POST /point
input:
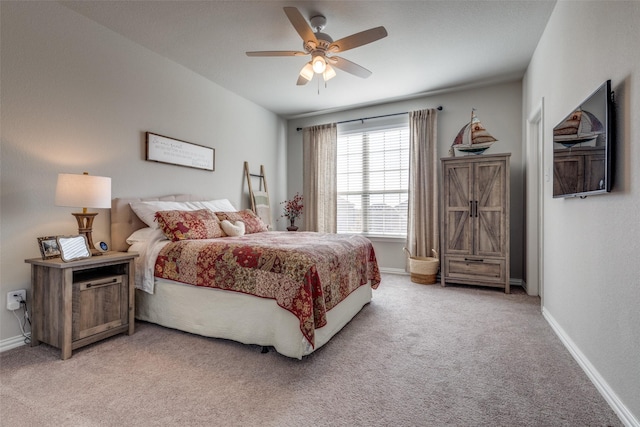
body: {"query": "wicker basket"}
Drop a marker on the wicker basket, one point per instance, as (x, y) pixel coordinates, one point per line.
(423, 269)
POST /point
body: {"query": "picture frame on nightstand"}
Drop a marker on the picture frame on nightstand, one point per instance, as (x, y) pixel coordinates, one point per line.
(49, 247)
(73, 248)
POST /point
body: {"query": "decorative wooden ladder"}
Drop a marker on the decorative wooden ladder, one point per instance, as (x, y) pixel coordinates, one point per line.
(260, 201)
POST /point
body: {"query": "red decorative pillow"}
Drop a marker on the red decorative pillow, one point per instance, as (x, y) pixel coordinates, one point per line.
(189, 225)
(252, 222)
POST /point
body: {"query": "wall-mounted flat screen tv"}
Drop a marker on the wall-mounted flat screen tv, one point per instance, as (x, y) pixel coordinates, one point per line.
(583, 147)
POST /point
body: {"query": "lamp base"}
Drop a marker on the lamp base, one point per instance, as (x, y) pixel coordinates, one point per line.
(85, 226)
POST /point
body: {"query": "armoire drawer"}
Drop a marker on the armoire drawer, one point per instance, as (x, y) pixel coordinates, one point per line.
(475, 268)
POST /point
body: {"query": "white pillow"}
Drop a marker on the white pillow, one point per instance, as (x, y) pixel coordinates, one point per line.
(233, 230)
(137, 247)
(146, 211)
(144, 235)
(220, 205)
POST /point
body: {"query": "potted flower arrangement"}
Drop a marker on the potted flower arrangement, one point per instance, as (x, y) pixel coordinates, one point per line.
(292, 210)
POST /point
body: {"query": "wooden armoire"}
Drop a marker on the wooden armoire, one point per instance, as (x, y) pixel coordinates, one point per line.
(475, 220)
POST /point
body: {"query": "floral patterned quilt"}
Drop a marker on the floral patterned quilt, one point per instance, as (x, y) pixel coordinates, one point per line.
(306, 273)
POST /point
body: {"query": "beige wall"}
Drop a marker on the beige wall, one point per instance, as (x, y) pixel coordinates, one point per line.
(591, 262)
(77, 97)
(499, 107)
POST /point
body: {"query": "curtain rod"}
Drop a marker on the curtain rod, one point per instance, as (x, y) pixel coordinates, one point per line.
(439, 108)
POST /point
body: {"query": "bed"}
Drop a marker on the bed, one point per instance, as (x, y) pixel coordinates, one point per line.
(290, 291)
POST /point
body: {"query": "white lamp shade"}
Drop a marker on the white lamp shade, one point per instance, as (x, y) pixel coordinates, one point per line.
(329, 73)
(307, 71)
(83, 191)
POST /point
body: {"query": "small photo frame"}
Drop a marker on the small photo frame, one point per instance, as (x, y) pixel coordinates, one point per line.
(49, 247)
(73, 248)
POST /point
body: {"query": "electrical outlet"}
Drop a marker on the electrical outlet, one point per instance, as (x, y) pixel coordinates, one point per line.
(14, 298)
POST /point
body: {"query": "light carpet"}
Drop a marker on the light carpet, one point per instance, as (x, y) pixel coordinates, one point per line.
(415, 356)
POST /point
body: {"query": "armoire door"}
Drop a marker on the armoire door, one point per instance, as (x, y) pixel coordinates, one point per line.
(458, 208)
(488, 210)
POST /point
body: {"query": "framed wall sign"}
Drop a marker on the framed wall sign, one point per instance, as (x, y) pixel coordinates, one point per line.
(163, 149)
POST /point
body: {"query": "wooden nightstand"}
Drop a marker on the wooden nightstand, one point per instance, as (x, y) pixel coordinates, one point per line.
(77, 303)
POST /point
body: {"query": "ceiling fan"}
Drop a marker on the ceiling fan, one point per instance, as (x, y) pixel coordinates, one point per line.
(322, 48)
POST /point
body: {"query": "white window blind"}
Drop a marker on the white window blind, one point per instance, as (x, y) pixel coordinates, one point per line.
(373, 177)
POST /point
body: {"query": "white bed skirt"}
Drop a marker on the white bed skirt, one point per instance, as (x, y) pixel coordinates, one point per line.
(244, 318)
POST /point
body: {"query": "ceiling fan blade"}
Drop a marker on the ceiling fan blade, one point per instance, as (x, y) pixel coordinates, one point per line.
(277, 53)
(358, 39)
(300, 24)
(349, 67)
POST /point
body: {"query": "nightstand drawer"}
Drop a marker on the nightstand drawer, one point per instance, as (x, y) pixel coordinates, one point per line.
(99, 305)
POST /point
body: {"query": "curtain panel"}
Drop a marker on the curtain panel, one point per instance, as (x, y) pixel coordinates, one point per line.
(423, 228)
(319, 183)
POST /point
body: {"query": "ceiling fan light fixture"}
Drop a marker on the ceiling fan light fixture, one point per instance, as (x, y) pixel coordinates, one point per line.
(321, 47)
(329, 73)
(307, 71)
(319, 64)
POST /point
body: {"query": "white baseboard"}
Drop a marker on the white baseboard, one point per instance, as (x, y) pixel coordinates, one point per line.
(609, 395)
(14, 342)
(400, 271)
(517, 282)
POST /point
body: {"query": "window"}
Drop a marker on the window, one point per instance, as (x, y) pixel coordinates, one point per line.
(373, 177)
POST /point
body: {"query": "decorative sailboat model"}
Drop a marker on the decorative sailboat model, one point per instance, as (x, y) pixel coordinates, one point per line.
(473, 137)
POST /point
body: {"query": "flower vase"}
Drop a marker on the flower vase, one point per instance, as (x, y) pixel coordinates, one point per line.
(293, 226)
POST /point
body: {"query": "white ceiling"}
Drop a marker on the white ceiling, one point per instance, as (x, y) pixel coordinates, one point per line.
(431, 46)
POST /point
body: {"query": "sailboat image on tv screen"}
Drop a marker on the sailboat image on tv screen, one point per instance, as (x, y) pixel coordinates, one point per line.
(473, 137)
(580, 127)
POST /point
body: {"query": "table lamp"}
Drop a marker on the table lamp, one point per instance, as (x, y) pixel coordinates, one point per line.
(84, 191)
